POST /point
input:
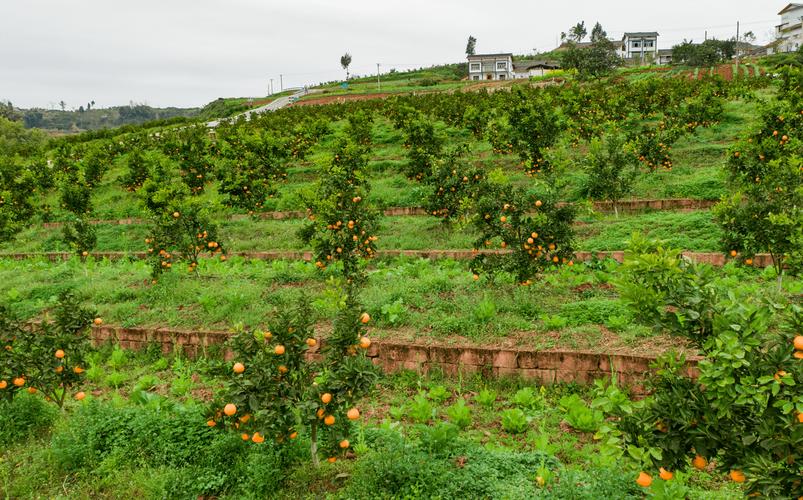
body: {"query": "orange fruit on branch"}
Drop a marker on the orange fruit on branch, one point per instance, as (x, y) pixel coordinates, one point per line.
(737, 476)
(344, 444)
(353, 414)
(644, 480)
(279, 349)
(229, 409)
(312, 342)
(329, 420)
(665, 474)
(326, 398)
(60, 354)
(365, 342)
(19, 381)
(365, 318)
(80, 396)
(699, 462)
(798, 342)
(238, 368)
(98, 321)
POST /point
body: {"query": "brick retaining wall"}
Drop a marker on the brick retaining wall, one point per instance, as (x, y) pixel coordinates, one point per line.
(544, 367)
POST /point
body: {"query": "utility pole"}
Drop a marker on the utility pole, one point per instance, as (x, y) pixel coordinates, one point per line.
(271, 86)
(281, 82)
(378, 83)
(737, 46)
(706, 35)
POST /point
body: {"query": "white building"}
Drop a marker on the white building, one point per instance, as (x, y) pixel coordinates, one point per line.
(790, 32)
(641, 46)
(526, 69)
(490, 67)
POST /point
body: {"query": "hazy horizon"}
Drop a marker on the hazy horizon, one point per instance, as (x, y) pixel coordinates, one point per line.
(188, 53)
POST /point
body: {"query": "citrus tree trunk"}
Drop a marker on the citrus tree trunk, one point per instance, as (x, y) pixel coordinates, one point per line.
(313, 446)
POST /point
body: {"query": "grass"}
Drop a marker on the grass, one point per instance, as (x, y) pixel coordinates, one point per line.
(120, 443)
(411, 300)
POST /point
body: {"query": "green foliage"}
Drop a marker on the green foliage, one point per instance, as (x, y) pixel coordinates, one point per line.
(667, 291)
(707, 53)
(420, 410)
(515, 421)
(610, 166)
(459, 413)
(439, 394)
(595, 61)
(534, 126)
(486, 398)
(579, 415)
(526, 399)
(24, 417)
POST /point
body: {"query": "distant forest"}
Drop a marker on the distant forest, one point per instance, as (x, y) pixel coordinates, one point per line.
(90, 118)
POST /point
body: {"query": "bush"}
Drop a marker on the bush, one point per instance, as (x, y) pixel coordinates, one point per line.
(23, 417)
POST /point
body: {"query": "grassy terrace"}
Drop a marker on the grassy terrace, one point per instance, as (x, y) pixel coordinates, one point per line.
(423, 301)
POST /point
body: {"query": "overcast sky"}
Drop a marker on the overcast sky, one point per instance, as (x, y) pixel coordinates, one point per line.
(189, 52)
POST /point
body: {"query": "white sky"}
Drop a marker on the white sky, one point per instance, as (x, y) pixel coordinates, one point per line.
(189, 52)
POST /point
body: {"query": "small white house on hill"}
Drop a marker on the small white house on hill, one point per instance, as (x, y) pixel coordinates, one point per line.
(641, 46)
(789, 33)
(490, 67)
(526, 69)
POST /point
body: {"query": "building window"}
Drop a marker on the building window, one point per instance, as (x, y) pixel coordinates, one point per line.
(476, 77)
(502, 77)
(636, 45)
(501, 66)
(648, 43)
(474, 67)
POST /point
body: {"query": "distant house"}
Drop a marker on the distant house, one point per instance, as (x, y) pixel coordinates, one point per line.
(490, 67)
(640, 46)
(789, 34)
(526, 69)
(664, 57)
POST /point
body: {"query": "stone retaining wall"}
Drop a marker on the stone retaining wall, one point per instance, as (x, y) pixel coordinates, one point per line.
(544, 367)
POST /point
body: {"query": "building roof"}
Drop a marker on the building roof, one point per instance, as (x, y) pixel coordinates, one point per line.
(791, 6)
(525, 65)
(503, 54)
(664, 52)
(636, 34)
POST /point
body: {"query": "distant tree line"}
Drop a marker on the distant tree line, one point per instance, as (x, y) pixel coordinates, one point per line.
(708, 53)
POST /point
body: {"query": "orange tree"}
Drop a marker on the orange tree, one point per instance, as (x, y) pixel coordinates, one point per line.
(534, 124)
(76, 198)
(181, 229)
(189, 147)
(745, 410)
(531, 229)
(253, 162)
(455, 186)
(611, 168)
(766, 212)
(52, 357)
(12, 373)
(424, 146)
(275, 390)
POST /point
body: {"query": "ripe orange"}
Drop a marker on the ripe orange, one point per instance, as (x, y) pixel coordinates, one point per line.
(279, 349)
(644, 480)
(353, 414)
(798, 342)
(365, 318)
(312, 342)
(258, 438)
(80, 396)
(59, 369)
(331, 460)
(282, 369)
(799, 415)
(476, 277)
(329, 420)
(31, 390)
(699, 462)
(239, 368)
(245, 436)
(78, 370)
(665, 474)
(19, 381)
(319, 413)
(326, 398)
(245, 418)
(798, 355)
(3, 384)
(538, 203)
(211, 423)
(267, 335)
(737, 476)
(733, 253)
(748, 262)
(503, 219)
(344, 444)
(229, 409)
(779, 375)
(293, 435)
(59, 354)
(98, 321)
(176, 215)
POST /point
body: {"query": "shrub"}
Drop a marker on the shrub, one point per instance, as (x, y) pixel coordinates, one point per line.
(459, 414)
(24, 416)
(515, 421)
